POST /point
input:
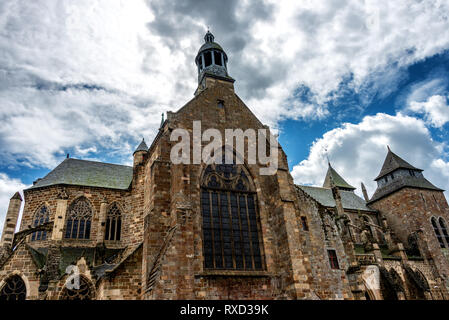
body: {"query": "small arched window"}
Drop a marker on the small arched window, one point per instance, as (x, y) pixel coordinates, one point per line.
(231, 234)
(40, 217)
(113, 223)
(444, 229)
(79, 220)
(437, 232)
(14, 289)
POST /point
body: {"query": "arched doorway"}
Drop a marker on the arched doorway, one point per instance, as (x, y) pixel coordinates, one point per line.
(14, 289)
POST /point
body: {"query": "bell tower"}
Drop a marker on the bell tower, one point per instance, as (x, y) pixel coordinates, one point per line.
(211, 62)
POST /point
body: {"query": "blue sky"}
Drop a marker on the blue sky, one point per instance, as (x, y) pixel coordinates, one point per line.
(337, 78)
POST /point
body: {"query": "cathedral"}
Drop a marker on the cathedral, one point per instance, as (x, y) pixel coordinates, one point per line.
(160, 230)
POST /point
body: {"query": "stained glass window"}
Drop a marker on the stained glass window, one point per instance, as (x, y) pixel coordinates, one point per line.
(41, 216)
(13, 290)
(231, 234)
(79, 220)
(113, 223)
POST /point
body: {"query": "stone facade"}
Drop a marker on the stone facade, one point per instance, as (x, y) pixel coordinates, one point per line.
(314, 244)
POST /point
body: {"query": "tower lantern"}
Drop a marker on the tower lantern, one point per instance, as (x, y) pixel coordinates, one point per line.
(211, 60)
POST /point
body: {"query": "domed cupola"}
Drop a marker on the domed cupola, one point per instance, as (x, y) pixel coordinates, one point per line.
(211, 60)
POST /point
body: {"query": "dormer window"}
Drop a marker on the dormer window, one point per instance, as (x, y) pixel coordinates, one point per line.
(412, 173)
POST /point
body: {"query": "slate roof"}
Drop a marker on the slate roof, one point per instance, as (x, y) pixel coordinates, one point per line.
(338, 180)
(88, 173)
(324, 196)
(141, 147)
(393, 162)
(402, 182)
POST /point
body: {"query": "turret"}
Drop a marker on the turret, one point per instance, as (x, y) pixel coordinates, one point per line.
(140, 152)
(11, 219)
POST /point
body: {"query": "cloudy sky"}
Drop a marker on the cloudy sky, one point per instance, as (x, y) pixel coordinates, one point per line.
(92, 77)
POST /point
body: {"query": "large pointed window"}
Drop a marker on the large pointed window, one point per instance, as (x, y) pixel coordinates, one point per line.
(40, 217)
(444, 229)
(13, 290)
(79, 220)
(231, 234)
(437, 232)
(113, 223)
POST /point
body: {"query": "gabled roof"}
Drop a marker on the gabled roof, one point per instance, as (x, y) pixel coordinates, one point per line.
(141, 147)
(393, 162)
(324, 197)
(337, 179)
(88, 173)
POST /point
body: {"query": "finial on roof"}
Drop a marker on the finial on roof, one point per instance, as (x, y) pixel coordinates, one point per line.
(327, 157)
(209, 37)
(68, 155)
(162, 120)
(388, 147)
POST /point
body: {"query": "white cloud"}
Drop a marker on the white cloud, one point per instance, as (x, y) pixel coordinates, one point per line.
(435, 110)
(357, 151)
(8, 187)
(99, 73)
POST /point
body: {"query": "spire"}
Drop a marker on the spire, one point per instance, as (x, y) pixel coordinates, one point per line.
(332, 177)
(141, 147)
(365, 194)
(393, 162)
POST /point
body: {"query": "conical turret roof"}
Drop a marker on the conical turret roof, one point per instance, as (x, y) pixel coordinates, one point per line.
(141, 147)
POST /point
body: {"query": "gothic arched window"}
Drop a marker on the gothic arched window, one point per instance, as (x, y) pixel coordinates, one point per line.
(437, 232)
(13, 290)
(84, 292)
(113, 223)
(40, 217)
(444, 229)
(231, 235)
(79, 219)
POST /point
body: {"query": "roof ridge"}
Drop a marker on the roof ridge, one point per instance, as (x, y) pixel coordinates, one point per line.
(93, 161)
